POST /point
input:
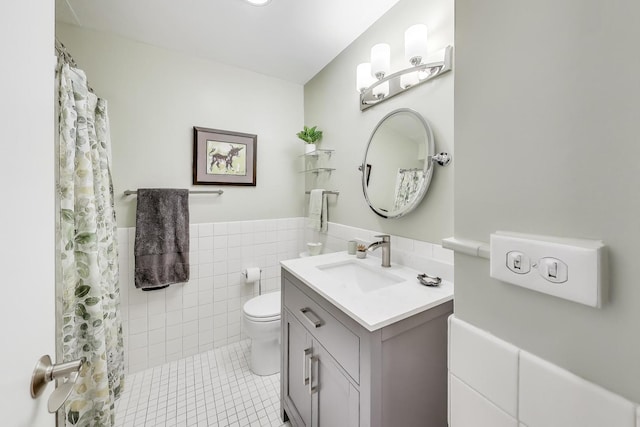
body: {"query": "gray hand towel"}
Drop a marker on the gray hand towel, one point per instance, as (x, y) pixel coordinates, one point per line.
(162, 238)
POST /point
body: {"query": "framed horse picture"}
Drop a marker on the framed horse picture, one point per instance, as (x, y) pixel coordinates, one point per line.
(222, 157)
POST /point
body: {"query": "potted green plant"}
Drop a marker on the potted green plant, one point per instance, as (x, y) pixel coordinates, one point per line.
(362, 251)
(310, 136)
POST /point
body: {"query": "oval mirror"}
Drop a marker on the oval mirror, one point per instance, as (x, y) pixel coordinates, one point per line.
(397, 166)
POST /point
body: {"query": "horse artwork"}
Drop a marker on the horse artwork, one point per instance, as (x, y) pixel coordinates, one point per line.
(225, 158)
(222, 157)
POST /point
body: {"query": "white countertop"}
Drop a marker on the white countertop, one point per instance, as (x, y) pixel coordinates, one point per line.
(376, 308)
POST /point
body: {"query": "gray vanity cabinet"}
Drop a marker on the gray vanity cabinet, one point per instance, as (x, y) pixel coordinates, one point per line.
(336, 373)
(298, 354)
(318, 391)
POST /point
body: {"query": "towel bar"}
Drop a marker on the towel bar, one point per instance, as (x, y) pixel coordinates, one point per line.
(325, 192)
(134, 192)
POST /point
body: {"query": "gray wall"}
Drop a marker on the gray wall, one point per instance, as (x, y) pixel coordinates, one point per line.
(332, 103)
(547, 101)
(156, 96)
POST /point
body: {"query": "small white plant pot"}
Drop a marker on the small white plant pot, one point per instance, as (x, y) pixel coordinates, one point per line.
(314, 248)
(361, 254)
(309, 148)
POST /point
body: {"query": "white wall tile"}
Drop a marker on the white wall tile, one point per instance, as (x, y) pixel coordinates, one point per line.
(174, 346)
(220, 229)
(137, 341)
(469, 408)
(156, 302)
(423, 249)
(234, 266)
(219, 334)
(189, 342)
(174, 332)
(173, 298)
(205, 243)
(206, 310)
(220, 254)
(205, 324)
(234, 227)
(157, 336)
(157, 353)
(233, 329)
(205, 230)
(137, 311)
(485, 363)
(219, 268)
(138, 326)
(551, 396)
(220, 320)
(190, 300)
(157, 321)
(204, 338)
(205, 270)
(138, 357)
(219, 294)
(190, 328)
(442, 254)
(161, 313)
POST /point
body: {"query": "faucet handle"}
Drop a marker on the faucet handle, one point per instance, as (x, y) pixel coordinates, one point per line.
(385, 237)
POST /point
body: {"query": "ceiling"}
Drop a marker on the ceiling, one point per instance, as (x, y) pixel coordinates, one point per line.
(289, 39)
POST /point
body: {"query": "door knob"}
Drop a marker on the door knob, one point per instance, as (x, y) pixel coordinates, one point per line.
(45, 371)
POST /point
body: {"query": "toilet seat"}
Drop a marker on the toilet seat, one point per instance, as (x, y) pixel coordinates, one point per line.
(263, 308)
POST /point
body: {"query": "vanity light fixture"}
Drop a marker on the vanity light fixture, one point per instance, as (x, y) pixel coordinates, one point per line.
(375, 84)
(258, 2)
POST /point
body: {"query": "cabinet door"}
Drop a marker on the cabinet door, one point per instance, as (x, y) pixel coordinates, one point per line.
(297, 363)
(336, 402)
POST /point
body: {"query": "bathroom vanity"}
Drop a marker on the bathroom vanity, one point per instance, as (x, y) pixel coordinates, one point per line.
(362, 345)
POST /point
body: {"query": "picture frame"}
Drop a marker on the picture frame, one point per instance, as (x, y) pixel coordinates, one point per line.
(222, 157)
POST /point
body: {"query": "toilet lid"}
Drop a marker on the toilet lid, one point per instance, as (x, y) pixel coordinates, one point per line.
(264, 307)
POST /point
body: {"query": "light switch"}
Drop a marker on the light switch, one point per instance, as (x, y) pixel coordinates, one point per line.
(553, 270)
(573, 269)
(518, 262)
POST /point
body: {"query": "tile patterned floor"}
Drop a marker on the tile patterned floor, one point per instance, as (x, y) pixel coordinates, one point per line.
(212, 389)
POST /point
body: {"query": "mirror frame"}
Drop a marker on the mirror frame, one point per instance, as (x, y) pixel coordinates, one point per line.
(428, 167)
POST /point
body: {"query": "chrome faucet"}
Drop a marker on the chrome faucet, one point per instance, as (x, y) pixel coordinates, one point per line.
(385, 244)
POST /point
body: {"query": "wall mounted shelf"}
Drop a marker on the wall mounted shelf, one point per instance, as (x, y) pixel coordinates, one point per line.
(318, 152)
(318, 170)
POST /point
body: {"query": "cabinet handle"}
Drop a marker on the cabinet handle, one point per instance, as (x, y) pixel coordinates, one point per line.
(315, 321)
(312, 389)
(305, 376)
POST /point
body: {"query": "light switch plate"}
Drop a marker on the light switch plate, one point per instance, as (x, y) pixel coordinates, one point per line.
(583, 263)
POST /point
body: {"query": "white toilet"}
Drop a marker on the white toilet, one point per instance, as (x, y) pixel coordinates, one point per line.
(261, 321)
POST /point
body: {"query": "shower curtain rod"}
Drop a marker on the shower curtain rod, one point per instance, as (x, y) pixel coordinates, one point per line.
(219, 192)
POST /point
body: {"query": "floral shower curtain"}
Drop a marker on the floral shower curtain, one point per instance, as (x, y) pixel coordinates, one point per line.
(408, 182)
(92, 326)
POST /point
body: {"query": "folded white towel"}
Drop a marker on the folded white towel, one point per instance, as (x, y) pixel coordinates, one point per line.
(317, 210)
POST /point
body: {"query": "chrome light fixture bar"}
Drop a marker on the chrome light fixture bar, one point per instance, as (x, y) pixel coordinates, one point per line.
(387, 87)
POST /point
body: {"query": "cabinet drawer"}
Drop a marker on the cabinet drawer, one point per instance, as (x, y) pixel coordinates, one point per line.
(343, 344)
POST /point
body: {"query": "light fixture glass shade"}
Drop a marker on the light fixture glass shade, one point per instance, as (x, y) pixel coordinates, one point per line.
(415, 44)
(381, 90)
(409, 79)
(380, 60)
(364, 79)
(258, 2)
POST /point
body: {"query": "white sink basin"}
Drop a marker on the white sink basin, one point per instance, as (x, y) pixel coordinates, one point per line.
(366, 277)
